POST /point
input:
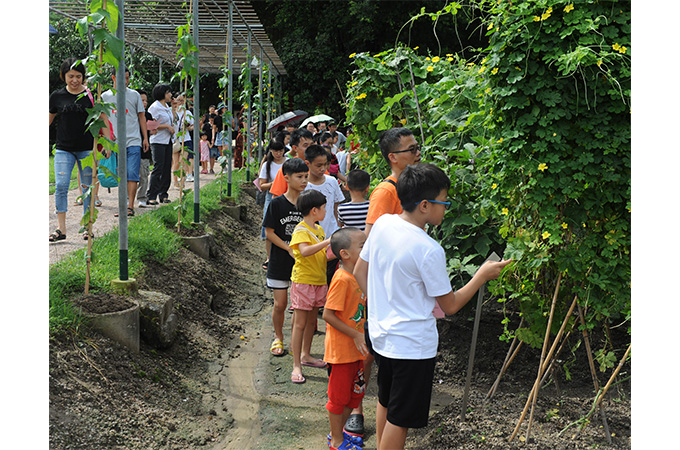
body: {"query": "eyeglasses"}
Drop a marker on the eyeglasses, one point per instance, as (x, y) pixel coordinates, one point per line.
(447, 205)
(413, 149)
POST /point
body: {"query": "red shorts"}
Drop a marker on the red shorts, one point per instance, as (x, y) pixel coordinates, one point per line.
(346, 386)
(307, 296)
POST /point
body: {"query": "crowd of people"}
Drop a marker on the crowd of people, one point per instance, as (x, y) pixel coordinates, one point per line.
(368, 262)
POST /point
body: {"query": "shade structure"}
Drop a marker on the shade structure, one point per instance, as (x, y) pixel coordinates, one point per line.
(152, 26)
(285, 119)
(316, 119)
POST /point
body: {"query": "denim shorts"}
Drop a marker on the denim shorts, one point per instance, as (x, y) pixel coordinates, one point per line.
(219, 139)
(134, 157)
(214, 152)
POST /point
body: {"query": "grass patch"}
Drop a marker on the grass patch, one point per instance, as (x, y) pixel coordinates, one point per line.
(151, 236)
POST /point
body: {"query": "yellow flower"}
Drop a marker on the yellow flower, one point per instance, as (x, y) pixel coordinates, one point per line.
(353, 83)
(482, 69)
(430, 68)
(537, 19)
(622, 50)
(599, 63)
(416, 47)
(449, 59)
(564, 225)
(494, 71)
(427, 58)
(487, 90)
(362, 95)
(494, 186)
(435, 59)
(403, 121)
(490, 26)
(569, 7)
(505, 211)
(616, 46)
(545, 235)
(542, 167)
(352, 55)
(500, 141)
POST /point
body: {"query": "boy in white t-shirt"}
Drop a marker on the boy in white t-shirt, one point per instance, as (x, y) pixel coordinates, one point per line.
(403, 272)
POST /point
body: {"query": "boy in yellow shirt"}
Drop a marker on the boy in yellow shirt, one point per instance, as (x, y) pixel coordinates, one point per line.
(308, 279)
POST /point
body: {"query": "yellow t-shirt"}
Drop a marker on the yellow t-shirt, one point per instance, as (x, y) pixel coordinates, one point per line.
(308, 269)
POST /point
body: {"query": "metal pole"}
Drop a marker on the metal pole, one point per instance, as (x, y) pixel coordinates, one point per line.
(230, 69)
(269, 93)
(197, 136)
(473, 347)
(121, 139)
(249, 111)
(259, 119)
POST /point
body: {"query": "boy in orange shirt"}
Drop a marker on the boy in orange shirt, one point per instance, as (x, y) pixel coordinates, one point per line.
(345, 346)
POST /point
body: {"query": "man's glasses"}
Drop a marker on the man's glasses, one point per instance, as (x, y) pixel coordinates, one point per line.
(447, 205)
(413, 149)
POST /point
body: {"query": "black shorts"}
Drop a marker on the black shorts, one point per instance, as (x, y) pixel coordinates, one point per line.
(405, 389)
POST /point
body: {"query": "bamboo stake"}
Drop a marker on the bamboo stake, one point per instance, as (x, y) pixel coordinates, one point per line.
(593, 373)
(549, 356)
(611, 379)
(550, 368)
(508, 359)
(93, 184)
(543, 352)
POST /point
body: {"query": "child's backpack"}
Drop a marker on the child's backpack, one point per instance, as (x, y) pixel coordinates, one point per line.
(108, 173)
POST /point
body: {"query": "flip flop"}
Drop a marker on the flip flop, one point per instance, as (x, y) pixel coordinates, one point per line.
(319, 365)
(277, 344)
(297, 379)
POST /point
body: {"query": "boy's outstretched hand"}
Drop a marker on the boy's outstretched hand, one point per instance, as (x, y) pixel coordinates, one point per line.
(490, 270)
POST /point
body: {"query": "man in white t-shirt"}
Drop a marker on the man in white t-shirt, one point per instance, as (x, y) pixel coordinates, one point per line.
(403, 272)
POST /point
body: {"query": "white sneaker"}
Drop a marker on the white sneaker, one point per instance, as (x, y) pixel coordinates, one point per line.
(142, 204)
(190, 178)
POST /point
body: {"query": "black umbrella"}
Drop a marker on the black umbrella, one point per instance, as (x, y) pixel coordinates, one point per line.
(283, 119)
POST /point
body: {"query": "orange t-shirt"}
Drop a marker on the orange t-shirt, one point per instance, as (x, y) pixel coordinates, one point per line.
(383, 200)
(279, 185)
(349, 303)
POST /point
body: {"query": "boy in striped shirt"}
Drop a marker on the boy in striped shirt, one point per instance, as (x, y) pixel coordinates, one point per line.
(353, 213)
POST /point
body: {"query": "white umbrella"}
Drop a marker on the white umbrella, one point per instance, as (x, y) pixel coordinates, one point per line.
(316, 119)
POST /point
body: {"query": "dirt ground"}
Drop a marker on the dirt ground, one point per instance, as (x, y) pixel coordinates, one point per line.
(217, 386)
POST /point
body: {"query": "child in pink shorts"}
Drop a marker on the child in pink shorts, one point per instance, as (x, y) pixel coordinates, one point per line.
(205, 152)
(308, 279)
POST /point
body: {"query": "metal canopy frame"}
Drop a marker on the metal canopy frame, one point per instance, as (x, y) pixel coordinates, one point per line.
(152, 27)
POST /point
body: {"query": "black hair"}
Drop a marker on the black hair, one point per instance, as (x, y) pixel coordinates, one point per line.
(358, 180)
(142, 92)
(342, 239)
(314, 151)
(203, 133)
(273, 145)
(420, 182)
(159, 91)
(298, 134)
(309, 199)
(281, 136)
(114, 71)
(294, 165)
(71, 64)
(321, 137)
(389, 140)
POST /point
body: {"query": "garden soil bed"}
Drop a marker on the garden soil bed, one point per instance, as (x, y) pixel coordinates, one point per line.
(217, 387)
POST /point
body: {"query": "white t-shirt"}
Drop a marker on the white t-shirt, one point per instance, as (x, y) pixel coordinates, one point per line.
(273, 169)
(406, 271)
(331, 190)
(188, 121)
(134, 106)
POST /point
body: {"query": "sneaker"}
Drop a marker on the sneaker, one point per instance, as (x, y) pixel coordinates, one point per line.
(142, 204)
(190, 178)
(346, 445)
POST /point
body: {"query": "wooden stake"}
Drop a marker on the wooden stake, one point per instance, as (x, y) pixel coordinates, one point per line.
(543, 351)
(548, 358)
(609, 383)
(508, 359)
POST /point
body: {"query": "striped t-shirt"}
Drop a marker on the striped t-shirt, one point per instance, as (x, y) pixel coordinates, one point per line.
(353, 214)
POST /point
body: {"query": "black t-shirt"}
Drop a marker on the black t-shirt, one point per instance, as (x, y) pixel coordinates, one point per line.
(147, 155)
(282, 216)
(72, 133)
(207, 129)
(218, 122)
